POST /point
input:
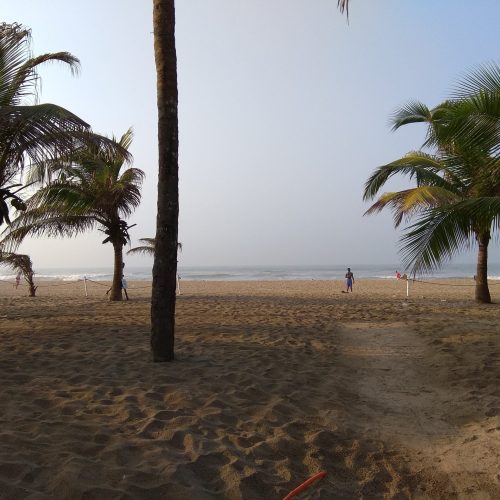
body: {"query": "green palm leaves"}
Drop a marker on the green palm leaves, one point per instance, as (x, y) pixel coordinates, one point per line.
(148, 248)
(22, 264)
(455, 200)
(29, 131)
(89, 189)
(33, 134)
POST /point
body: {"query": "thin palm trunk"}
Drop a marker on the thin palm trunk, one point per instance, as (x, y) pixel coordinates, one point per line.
(31, 285)
(482, 290)
(116, 288)
(165, 263)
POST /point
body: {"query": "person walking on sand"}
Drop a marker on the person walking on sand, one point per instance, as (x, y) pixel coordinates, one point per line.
(349, 279)
(18, 279)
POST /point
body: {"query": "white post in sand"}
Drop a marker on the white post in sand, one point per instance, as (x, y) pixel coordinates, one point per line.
(85, 283)
(407, 287)
(178, 285)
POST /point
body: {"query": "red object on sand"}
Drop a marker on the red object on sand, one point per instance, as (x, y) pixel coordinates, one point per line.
(305, 484)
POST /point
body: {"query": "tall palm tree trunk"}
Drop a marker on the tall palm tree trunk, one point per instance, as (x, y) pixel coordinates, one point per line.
(165, 263)
(116, 287)
(482, 290)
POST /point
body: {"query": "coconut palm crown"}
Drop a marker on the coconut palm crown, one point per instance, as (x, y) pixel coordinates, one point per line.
(90, 190)
(456, 199)
(32, 133)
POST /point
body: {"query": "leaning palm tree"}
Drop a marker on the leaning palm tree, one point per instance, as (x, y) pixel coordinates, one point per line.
(90, 190)
(32, 133)
(455, 185)
(22, 264)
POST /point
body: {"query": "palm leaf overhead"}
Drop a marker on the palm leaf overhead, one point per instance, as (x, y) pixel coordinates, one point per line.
(19, 78)
(483, 79)
(33, 134)
(343, 5)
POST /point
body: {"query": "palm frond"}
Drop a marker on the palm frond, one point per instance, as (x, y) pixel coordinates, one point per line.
(473, 123)
(425, 168)
(15, 261)
(39, 222)
(432, 240)
(444, 231)
(144, 250)
(40, 132)
(407, 203)
(26, 79)
(19, 77)
(148, 248)
(413, 112)
(484, 78)
(343, 6)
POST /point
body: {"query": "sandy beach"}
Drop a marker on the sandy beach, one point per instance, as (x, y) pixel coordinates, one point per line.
(273, 382)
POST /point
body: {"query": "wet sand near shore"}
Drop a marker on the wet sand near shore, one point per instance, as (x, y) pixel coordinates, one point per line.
(273, 382)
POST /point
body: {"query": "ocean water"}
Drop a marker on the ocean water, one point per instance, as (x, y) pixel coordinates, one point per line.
(256, 273)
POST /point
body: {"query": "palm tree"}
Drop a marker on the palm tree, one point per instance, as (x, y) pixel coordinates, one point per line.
(32, 133)
(456, 186)
(165, 263)
(22, 264)
(90, 190)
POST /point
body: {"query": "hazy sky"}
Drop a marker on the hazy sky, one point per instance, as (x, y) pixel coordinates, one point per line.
(284, 111)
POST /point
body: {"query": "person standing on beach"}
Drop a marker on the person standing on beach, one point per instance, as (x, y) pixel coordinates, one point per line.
(123, 282)
(124, 286)
(349, 279)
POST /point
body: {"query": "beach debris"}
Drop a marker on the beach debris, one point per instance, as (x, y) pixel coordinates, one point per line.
(305, 485)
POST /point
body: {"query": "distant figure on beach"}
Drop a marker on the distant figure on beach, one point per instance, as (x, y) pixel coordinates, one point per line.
(404, 277)
(124, 286)
(349, 280)
(398, 275)
(18, 279)
(123, 283)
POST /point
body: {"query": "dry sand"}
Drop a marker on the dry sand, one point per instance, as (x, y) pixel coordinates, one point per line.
(274, 382)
